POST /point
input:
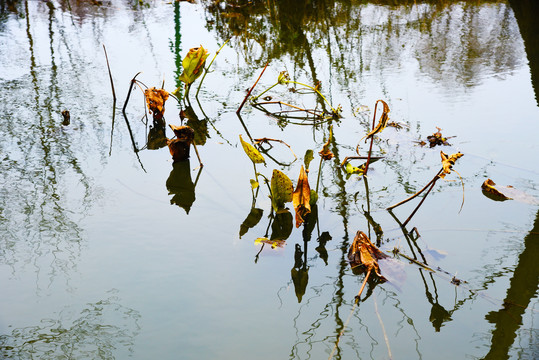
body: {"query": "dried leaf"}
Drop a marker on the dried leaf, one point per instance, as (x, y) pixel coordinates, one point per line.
(363, 252)
(281, 190)
(192, 64)
(325, 153)
(382, 123)
(252, 152)
(155, 99)
(301, 197)
(437, 139)
(448, 162)
(179, 147)
(493, 193)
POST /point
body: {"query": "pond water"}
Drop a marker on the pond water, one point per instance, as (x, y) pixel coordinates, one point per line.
(108, 253)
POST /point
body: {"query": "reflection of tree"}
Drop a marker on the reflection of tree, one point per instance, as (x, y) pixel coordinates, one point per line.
(526, 15)
(101, 330)
(447, 38)
(37, 223)
(523, 287)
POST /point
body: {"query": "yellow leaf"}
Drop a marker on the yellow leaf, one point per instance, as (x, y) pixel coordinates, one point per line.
(281, 190)
(301, 197)
(350, 169)
(193, 63)
(252, 152)
(448, 162)
(254, 183)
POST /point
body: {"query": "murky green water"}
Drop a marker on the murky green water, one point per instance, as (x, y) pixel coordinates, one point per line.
(98, 260)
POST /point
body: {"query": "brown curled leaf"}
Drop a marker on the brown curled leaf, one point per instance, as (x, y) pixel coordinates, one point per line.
(301, 197)
(364, 253)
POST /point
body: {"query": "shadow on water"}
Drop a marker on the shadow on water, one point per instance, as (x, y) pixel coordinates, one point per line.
(522, 289)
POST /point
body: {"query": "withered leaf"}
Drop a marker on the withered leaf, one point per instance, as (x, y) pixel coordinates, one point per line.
(492, 192)
(179, 147)
(382, 123)
(364, 253)
(155, 99)
(325, 153)
(437, 139)
(252, 152)
(281, 190)
(448, 162)
(301, 197)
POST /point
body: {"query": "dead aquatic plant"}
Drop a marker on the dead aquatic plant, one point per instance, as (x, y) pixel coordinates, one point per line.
(436, 139)
(376, 129)
(180, 145)
(447, 168)
(301, 197)
(365, 255)
(288, 111)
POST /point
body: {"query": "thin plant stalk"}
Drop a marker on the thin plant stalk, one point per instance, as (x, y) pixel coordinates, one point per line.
(208, 68)
(421, 202)
(319, 174)
(265, 91)
(110, 74)
(251, 89)
(372, 141)
(417, 193)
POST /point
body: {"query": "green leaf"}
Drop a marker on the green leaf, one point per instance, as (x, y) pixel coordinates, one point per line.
(193, 63)
(252, 152)
(281, 190)
(308, 158)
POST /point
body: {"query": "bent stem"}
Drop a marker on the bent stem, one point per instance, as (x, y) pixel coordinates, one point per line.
(315, 90)
(372, 141)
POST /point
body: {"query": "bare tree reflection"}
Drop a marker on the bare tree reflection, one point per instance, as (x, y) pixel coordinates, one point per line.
(98, 331)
